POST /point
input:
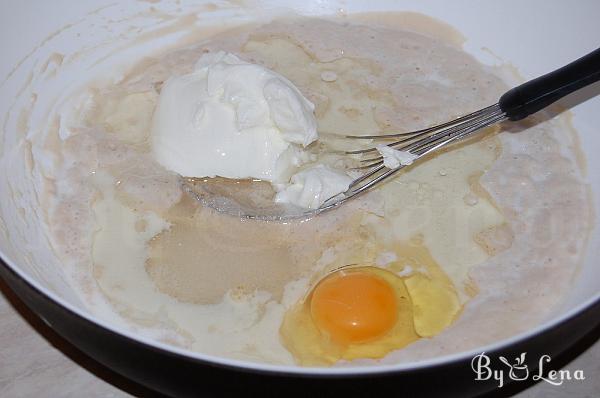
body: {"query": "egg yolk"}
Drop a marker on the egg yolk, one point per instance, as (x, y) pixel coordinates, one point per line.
(354, 307)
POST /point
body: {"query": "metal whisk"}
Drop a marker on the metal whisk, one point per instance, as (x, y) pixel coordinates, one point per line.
(515, 104)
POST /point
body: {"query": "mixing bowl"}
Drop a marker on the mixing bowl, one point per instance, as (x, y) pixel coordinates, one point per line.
(534, 36)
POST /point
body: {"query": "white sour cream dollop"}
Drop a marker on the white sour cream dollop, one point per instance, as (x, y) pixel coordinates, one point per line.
(393, 158)
(235, 119)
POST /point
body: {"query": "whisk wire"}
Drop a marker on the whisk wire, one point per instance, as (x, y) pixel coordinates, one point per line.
(420, 143)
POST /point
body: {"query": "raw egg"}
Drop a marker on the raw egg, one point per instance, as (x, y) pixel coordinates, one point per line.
(353, 307)
(367, 312)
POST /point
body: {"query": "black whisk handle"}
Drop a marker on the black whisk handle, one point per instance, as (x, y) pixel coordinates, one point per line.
(538, 93)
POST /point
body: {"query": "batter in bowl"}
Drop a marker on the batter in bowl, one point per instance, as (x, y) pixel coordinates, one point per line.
(499, 222)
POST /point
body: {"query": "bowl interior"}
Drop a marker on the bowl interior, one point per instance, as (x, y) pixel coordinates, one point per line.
(31, 34)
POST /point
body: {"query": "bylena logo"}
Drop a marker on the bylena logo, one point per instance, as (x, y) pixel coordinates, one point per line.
(518, 370)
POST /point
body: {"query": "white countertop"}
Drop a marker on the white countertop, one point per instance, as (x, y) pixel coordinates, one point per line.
(36, 362)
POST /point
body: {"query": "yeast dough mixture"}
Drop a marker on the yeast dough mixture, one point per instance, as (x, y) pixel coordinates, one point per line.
(504, 216)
